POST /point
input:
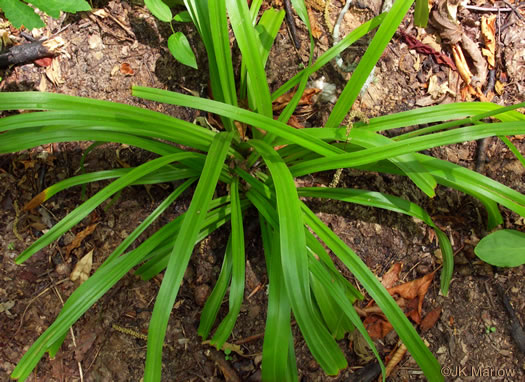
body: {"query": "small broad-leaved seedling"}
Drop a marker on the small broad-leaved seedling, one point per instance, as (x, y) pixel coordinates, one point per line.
(22, 13)
(256, 158)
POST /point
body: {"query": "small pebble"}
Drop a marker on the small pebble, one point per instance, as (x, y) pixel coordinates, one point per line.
(201, 293)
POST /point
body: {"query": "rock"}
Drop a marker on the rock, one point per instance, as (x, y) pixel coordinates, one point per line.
(201, 293)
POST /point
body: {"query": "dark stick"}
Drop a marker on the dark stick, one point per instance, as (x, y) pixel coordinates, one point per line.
(518, 335)
(481, 155)
(24, 53)
(291, 23)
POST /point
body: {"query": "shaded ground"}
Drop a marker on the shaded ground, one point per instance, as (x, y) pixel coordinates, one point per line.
(472, 331)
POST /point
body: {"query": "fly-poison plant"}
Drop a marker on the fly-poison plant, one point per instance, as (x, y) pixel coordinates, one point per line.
(258, 158)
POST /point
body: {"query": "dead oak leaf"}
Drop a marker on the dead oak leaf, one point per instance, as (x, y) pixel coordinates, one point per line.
(430, 319)
(316, 31)
(488, 30)
(306, 99)
(461, 64)
(392, 275)
(83, 268)
(377, 326)
(79, 238)
(126, 69)
(294, 122)
(414, 289)
(28, 163)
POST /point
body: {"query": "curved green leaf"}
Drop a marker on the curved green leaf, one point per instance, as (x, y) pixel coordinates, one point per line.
(503, 248)
(408, 146)
(159, 9)
(275, 365)
(294, 262)
(179, 47)
(396, 317)
(181, 254)
(53, 7)
(83, 210)
(238, 258)
(214, 301)
(20, 14)
(368, 61)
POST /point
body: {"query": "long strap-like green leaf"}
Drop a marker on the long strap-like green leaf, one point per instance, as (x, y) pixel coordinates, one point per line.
(404, 329)
(83, 210)
(181, 254)
(294, 261)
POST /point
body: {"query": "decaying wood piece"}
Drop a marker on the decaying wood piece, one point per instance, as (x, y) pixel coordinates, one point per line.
(24, 53)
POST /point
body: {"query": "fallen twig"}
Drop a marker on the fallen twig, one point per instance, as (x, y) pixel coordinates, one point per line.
(483, 9)
(24, 53)
(227, 371)
(518, 335)
(291, 24)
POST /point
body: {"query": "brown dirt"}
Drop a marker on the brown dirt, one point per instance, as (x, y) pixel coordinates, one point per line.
(31, 295)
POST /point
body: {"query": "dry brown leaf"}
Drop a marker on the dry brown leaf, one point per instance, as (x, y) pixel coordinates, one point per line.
(479, 63)
(392, 275)
(54, 73)
(461, 63)
(430, 319)
(316, 31)
(396, 358)
(36, 201)
(241, 128)
(306, 99)
(412, 311)
(100, 13)
(377, 327)
(126, 69)
(79, 237)
(412, 289)
(488, 30)
(436, 89)
(452, 8)
(294, 122)
(28, 163)
(42, 85)
(83, 268)
(430, 40)
(499, 87)
(487, 98)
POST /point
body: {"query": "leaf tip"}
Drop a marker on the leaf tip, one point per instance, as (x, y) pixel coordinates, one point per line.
(36, 201)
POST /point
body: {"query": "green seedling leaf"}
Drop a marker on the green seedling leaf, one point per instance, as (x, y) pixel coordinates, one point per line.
(182, 17)
(180, 49)
(159, 10)
(53, 7)
(20, 14)
(504, 248)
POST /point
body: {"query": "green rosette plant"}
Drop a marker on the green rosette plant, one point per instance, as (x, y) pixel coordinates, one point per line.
(303, 279)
